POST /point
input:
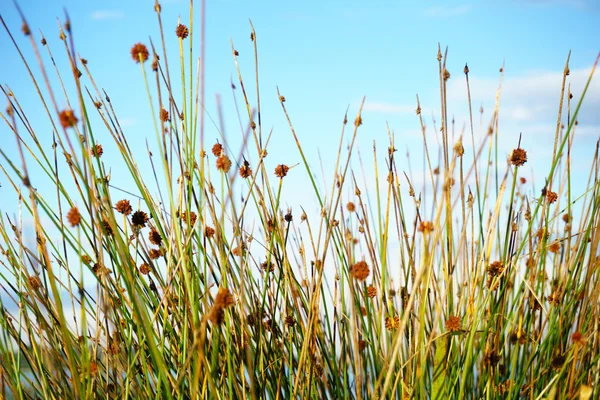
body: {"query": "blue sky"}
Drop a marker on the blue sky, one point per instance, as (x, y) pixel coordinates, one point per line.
(325, 56)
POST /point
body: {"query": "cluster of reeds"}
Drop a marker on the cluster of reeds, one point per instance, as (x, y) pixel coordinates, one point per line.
(176, 289)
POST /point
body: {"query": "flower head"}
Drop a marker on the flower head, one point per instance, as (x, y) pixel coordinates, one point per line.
(182, 31)
(74, 217)
(139, 219)
(360, 271)
(67, 119)
(281, 170)
(139, 52)
(124, 207)
(518, 157)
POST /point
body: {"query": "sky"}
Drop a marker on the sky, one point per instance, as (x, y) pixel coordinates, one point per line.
(325, 56)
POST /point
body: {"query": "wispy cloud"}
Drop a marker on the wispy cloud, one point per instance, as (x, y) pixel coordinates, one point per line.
(442, 11)
(389, 108)
(100, 15)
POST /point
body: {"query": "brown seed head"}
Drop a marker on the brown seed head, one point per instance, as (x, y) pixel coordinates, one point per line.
(223, 163)
(245, 170)
(74, 217)
(139, 52)
(209, 232)
(139, 219)
(67, 119)
(217, 149)
(223, 300)
(192, 216)
(453, 324)
(495, 268)
(97, 151)
(554, 247)
(281, 170)
(25, 29)
(392, 323)
(523, 180)
(360, 271)
(425, 227)
(578, 338)
(358, 121)
(35, 282)
(551, 196)
(164, 115)
(351, 206)
(371, 291)
(124, 207)
(154, 237)
(518, 157)
(182, 31)
(155, 253)
(144, 269)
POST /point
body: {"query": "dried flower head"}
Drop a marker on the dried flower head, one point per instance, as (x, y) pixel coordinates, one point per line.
(67, 119)
(290, 321)
(522, 180)
(223, 300)
(223, 163)
(351, 206)
(155, 253)
(139, 52)
(192, 216)
(74, 217)
(371, 291)
(97, 151)
(392, 323)
(124, 207)
(182, 31)
(554, 247)
(288, 217)
(453, 324)
(35, 282)
(281, 170)
(358, 121)
(518, 157)
(578, 338)
(154, 237)
(245, 170)
(425, 227)
(25, 29)
(217, 149)
(144, 269)
(164, 115)
(139, 219)
(551, 196)
(360, 271)
(495, 268)
(459, 148)
(209, 232)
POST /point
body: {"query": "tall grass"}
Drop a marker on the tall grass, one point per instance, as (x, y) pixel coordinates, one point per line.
(175, 289)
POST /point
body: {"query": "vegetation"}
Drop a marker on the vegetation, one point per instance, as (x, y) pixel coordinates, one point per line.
(176, 289)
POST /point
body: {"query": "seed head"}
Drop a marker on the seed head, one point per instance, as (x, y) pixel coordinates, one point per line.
(25, 29)
(35, 282)
(360, 271)
(139, 52)
(551, 196)
(97, 151)
(554, 247)
(577, 338)
(67, 119)
(164, 115)
(425, 227)
(351, 206)
(155, 253)
(182, 31)
(192, 217)
(245, 170)
(453, 324)
(223, 163)
(139, 219)
(281, 170)
(154, 237)
(223, 300)
(74, 217)
(124, 207)
(144, 269)
(371, 291)
(217, 149)
(518, 157)
(209, 232)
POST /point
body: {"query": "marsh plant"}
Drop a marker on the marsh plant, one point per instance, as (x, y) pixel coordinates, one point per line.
(198, 281)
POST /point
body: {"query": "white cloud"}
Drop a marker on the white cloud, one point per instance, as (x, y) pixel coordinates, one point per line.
(107, 14)
(127, 122)
(442, 11)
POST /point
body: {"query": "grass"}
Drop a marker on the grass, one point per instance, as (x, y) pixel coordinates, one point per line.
(174, 289)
